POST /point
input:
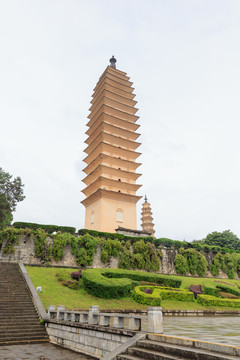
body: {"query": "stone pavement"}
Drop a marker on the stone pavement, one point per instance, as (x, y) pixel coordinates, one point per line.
(38, 352)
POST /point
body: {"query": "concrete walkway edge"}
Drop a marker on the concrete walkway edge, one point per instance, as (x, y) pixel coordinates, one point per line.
(39, 306)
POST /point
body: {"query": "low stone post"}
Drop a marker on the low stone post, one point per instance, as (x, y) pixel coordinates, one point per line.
(83, 318)
(93, 315)
(104, 320)
(118, 322)
(51, 311)
(134, 324)
(155, 323)
(60, 312)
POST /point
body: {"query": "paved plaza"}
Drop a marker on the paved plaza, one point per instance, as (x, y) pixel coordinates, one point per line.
(38, 352)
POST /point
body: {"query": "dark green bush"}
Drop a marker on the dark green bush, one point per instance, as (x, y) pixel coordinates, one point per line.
(228, 289)
(64, 278)
(194, 262)
(114, 236)
(115, 283)
(84, 248)
(210, 291)
(207, 300)
(48, 228)
(181, 264)
(11, 238)
(147, 299)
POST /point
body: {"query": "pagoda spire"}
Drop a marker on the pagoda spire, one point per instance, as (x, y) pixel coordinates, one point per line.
(147, 219)
(113, 62)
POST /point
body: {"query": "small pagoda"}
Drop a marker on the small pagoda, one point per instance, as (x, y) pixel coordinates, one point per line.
(147, 219)
(111, 154)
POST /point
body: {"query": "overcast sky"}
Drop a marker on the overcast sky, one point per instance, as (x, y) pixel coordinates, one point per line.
(183, 57)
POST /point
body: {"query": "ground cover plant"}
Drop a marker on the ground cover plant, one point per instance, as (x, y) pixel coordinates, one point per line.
(54, 293)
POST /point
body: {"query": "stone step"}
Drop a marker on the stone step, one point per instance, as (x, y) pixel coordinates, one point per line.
(24, 342)
(19, 320)
(127, 357)
(151, 354)
(24, 332)
(17, 316)
(20, 326)
(184, 352)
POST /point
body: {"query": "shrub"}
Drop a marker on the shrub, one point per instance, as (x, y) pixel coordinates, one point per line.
(162, 293)
(40, 241)
(76, 275)
(84, 248)
(190, 260)
(226, 295)
(48, 228)
(11, 238)
(181, 264)
(207, 300)
(148, 291)
(116, 283)
(125, 260)
(104, 256)
(97, 284)
(211, 291)
(228, 289)
(114, 236)
(147, 299)
(109, 248)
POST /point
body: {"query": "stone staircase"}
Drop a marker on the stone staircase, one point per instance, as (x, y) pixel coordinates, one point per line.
(161, 347)
(19, 321)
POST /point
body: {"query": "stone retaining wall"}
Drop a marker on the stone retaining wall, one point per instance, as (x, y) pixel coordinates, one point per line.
(93, 340)
(24, 252)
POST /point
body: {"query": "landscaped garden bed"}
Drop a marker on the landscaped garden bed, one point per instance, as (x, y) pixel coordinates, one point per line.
(56, 289)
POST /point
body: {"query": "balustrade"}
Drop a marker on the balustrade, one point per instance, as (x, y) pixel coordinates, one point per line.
(118, 321)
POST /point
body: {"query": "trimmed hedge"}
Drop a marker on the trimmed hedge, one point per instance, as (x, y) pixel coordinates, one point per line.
(160, 293)
(48, 228)
(143, 276)
(116, 283)
(228, 289)
(114, 236)
(170, 293)
(207, 300)
(147, 299)
(211, 291)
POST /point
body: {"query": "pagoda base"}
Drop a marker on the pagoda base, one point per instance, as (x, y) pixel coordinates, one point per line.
(106, 210)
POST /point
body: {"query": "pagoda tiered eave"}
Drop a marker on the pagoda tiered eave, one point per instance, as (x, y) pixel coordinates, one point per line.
(113, 112)
(111, 150)
(113, 130)
(114, 185)
(108, 194)
(115, 162)
(114, 121)
(103, 170)
(112, 95)
(104, 137)
(105, 100)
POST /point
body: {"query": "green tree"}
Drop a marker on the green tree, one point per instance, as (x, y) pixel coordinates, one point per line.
(11, 192)
(224, 239)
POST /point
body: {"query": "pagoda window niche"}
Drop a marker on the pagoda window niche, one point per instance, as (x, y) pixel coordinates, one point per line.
(119, 215)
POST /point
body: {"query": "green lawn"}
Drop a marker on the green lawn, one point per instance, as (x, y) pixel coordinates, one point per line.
(55, 294)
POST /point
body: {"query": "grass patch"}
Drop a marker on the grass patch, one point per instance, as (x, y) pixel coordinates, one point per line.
(54, 293)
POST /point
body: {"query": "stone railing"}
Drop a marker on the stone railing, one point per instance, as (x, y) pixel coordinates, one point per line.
(117, 321)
